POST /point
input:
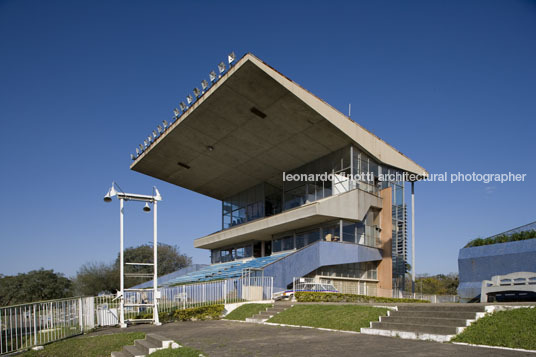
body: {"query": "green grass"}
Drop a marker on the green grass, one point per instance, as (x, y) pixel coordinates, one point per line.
(88, 346)
(511, 328)
(246, 310)
(181, 352)
(339, 317)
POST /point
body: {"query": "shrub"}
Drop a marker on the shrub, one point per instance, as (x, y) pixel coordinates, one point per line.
(338, 297)
(503, 238)
(211, 312)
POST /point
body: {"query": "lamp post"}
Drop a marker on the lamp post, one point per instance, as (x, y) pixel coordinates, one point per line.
(122, 196)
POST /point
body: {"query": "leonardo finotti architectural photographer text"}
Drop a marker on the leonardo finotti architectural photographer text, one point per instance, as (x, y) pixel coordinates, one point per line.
(434, 177)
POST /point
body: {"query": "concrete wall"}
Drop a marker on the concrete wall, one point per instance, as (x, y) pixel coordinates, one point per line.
(316, 255)
(481, 263)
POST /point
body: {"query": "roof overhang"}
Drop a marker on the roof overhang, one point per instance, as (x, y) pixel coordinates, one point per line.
(249, 127)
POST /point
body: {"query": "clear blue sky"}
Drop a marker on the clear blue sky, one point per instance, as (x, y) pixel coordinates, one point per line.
(452, 84)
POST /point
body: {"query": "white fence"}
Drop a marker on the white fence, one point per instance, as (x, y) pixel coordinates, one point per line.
(24, 326)
(360, 287)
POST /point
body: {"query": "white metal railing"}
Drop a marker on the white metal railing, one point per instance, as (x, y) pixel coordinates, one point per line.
(363, 287)
(435, 299)
(28, 325)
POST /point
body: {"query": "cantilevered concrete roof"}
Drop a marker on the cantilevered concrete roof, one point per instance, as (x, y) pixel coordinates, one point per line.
(259, 124)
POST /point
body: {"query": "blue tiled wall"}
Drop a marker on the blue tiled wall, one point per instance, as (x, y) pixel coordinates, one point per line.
(315, 256)
(481, 263)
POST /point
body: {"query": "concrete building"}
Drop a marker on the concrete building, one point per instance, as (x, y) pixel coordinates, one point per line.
(245, 141)
(476, 264)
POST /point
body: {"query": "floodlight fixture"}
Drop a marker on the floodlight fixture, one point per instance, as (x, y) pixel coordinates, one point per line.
(189, 99)
(221, 67)
(231, 57)
(182, 106)
(212, 76)
(146, 208)
(111, 193)
(204, 84)
(176, 113)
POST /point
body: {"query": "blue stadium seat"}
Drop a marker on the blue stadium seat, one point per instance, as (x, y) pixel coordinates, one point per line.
(226, 270)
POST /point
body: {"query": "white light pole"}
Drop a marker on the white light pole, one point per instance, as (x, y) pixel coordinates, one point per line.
(413, 237)
(122, 196)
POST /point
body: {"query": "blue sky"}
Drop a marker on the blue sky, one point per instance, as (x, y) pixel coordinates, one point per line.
(450, 84)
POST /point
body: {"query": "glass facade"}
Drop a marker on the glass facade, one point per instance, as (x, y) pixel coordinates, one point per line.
(266, 200)
(232, 253)
(339, 169)
(336, 231)
(366, 270)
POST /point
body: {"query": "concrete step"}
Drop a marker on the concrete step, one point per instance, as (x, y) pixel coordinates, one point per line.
(425, 321)
(120, 354)
(159, 340)
(407, 335)
(277, 308)
(435, 314)
(147, 347)
(443, 308)
(133, 351)
(429, 329)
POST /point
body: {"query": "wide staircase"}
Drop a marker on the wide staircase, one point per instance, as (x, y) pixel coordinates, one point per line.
(435, 322)
(150, 344)
(270, 312)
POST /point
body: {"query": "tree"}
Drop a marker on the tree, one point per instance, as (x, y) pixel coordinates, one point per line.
(95, 278)
(440, 284)
(35, 285)
(169, 260)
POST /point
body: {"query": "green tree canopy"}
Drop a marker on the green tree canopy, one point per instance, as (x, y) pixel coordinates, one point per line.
(35, 285)
(93, 278)
(96, 278)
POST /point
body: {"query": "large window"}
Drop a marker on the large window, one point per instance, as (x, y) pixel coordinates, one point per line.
(230, 254)
(243, 207)
(366, 270)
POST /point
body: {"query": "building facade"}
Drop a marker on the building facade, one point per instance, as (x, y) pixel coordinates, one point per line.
(305, 191)
(476, 264)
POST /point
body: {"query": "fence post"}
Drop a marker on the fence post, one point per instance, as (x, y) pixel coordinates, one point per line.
(80, 315)
(225, 292)
(35, 326)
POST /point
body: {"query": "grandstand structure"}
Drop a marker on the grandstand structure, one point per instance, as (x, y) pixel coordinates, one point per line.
(305, 190)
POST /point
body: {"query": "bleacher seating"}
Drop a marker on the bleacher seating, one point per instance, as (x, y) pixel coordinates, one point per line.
(224, 270)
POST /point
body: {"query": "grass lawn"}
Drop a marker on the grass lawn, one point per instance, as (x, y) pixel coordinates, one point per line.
(339, 317)
(180, 352)
(511, 328)
(246, 310)
(88, 346)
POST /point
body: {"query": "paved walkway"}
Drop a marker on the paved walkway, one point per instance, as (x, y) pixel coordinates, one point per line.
(228, 338)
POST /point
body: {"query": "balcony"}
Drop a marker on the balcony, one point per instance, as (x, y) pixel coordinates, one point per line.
(352, 205)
